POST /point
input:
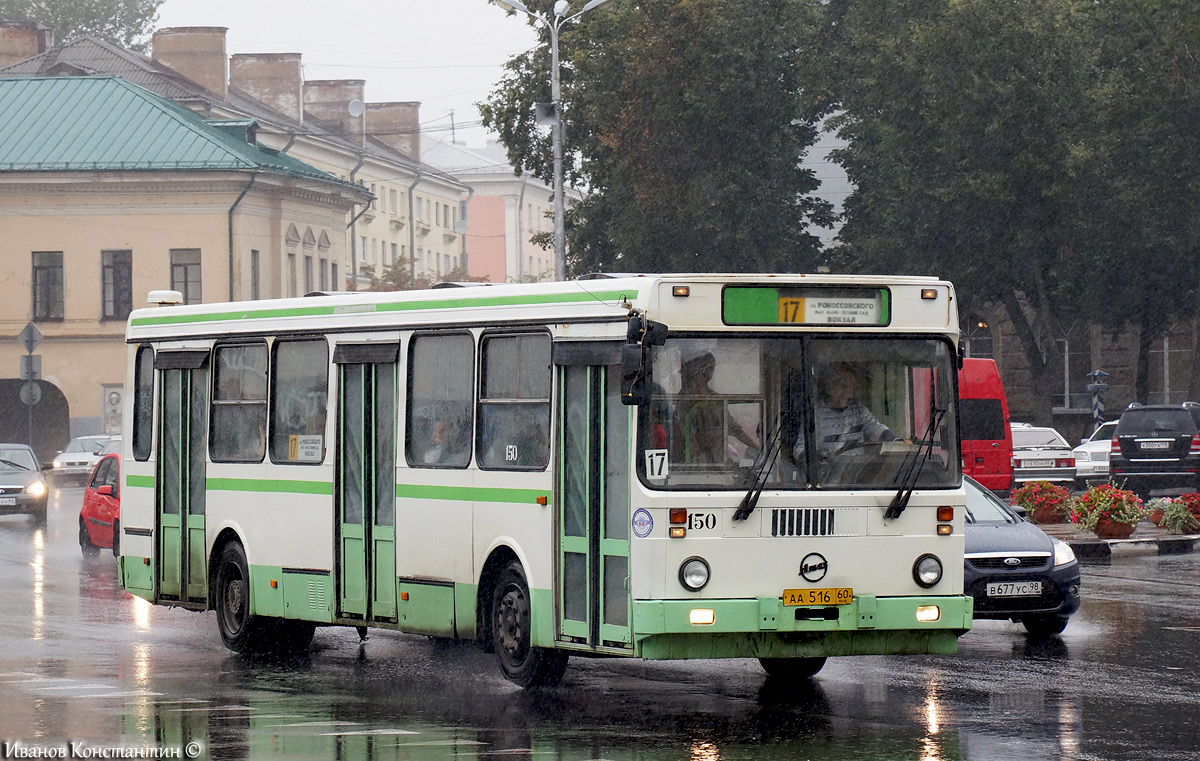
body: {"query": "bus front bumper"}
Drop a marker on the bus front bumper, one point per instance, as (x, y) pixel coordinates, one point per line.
(765, 628)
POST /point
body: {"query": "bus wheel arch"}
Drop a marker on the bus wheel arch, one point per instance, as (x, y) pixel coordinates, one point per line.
(497, 561)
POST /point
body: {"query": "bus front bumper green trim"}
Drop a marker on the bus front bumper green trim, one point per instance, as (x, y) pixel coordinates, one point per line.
(765, 628)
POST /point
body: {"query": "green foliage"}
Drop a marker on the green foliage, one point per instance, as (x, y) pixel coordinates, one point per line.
(1105, 502)
(127, 23)
(686, 122)
(398, 276)
(1178, 518)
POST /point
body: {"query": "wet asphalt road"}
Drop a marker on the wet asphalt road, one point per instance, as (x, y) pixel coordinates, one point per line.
(81, 661)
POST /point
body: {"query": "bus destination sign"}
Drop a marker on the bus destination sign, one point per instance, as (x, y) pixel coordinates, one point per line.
(805, 306)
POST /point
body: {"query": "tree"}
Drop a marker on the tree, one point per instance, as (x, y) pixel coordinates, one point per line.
(974, 152)
(685, 121)
(398, 276)
(122, 22)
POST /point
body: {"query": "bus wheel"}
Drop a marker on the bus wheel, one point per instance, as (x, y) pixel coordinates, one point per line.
(520, 662)
(85, 541)
(240, 631)
(792, 668)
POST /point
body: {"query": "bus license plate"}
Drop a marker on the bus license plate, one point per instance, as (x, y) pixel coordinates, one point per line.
(828, 596)
(1014, 589)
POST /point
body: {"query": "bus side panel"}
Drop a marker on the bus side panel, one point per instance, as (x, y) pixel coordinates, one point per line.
(433, 549)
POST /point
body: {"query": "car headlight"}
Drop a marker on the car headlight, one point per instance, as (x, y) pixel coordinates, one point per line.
(58, 463)
(1063, 554)
(693, 574)
(927, 571)
(36, 489)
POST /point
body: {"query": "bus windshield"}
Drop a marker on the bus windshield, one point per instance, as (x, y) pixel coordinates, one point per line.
(799, 412)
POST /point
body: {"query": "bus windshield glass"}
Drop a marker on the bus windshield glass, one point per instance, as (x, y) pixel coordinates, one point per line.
(800, 412)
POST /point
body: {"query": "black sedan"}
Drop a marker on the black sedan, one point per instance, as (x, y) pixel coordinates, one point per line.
(1014, 570)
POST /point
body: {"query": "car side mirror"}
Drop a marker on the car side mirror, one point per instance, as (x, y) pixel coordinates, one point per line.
(1021, 512)
(104, 491)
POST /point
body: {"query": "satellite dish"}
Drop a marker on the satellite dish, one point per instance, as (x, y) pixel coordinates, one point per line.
(355, 108)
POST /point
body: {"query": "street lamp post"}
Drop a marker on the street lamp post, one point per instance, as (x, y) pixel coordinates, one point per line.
(557, 132)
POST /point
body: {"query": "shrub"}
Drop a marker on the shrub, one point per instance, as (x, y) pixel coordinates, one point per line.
(1178, 518)
(1048, 502)
(1106, 502)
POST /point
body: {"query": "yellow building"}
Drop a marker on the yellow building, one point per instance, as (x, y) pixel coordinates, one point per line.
(108, 191)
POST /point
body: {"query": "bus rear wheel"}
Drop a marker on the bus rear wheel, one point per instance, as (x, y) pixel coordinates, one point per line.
(241, 631)
(792, 668)
(520, 662)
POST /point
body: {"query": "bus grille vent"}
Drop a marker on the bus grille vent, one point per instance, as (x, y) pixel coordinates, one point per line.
(809, 521)
(316, 595)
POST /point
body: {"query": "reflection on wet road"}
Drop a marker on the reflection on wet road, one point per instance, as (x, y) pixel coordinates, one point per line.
(80, 660)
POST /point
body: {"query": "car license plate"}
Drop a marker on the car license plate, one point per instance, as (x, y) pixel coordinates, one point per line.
(1154, 444)
(1037, 463)
(8, 500)
(1014, 589)
(827, 596)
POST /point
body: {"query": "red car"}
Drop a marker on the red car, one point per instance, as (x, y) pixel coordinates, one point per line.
(100, 516)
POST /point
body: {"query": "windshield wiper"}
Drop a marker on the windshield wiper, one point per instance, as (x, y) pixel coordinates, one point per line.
(909, 482)
(762, 470)
(16, 464)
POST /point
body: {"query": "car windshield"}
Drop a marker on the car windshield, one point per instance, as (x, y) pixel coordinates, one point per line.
(1156, 423)
(798, 412)
(1037, 437)
(985, 507)
(92, 444)
(17, 458)
(1104, 432)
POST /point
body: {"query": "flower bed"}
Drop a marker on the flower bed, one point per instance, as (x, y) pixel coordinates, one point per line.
(1106, 504)
(1043, 501)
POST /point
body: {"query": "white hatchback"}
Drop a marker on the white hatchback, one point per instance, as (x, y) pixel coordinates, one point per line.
(76, 461)
(1091, 456)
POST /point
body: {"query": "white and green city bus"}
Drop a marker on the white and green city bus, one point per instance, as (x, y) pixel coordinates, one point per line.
(626, 466)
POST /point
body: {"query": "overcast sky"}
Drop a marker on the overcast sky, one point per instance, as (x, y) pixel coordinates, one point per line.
(447, 54)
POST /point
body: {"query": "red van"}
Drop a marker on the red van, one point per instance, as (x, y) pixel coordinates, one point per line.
(983, 423)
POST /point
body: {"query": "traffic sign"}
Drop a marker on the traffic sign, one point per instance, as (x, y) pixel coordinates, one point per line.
(30, 337)
(31, 367)
(31, 393)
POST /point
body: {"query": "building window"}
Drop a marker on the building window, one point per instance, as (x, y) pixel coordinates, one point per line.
(323, 273)
(308, 274)
(392, 193)
(333, 276)
(239, 405)
(291, 275)
(1169, 367)
(185, 274)
(116, 284)
(395, 251)
(362, 248)
(47, 285)
(1077, 360)
(514, 405)
(254, 276)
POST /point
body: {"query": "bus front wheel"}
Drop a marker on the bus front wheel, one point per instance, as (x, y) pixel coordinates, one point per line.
(520, 662)
(241, 631)
(792, 668)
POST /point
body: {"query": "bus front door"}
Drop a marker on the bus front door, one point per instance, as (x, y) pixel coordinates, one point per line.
(366, 483)
(593, 488)
(182, 569)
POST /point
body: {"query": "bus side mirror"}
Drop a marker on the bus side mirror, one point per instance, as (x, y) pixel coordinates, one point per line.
(635, 391)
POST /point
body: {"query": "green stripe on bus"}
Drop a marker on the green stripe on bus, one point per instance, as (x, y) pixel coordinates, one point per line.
(470, 493)
(146, 482)
(404, 306)
(272, 485)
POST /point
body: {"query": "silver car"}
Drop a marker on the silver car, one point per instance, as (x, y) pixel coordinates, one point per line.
(22, 488)
(1041, 454)
(1091, 456)
(76, 461)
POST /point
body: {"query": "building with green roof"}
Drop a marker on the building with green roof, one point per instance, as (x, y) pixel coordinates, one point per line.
(108, 191)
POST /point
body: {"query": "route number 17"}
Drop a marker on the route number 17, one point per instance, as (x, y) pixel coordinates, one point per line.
(656, 463)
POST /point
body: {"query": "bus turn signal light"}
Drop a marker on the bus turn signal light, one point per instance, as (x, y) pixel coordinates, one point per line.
(678, 515)
(945, 514)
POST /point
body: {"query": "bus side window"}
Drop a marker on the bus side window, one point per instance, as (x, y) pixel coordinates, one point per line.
(143, 403)
(299, 400)
(514, 404)
(239, 405)
(441, 371)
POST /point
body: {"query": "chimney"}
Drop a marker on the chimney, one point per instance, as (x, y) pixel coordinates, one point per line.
(270, 78)
(398, 125)
(196, 52)
(337, 105)
(22, 40)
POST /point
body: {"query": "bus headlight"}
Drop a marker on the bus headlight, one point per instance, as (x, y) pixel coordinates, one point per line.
(927, 571)
(1063, 554)
(693, 574)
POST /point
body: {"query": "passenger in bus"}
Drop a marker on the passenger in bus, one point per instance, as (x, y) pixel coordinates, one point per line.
(698, 429)
(443, 448)
(842, 423)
